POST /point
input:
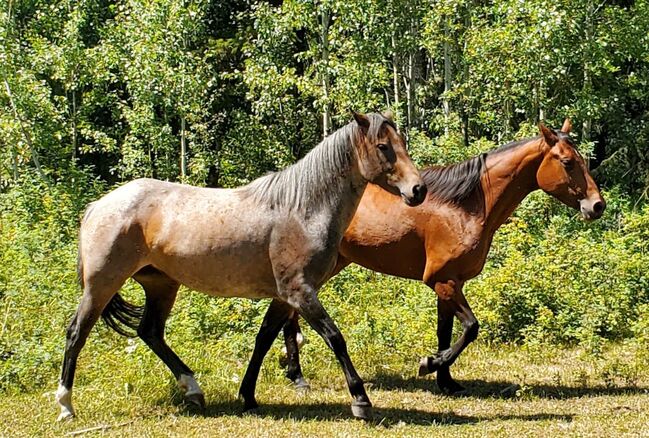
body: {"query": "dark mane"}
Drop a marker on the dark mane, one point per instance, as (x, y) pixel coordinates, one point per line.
(456, 182)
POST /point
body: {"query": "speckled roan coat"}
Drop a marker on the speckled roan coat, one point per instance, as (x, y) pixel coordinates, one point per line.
(277, 237)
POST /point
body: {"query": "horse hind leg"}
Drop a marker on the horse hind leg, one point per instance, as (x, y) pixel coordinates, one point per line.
(445, 382)
(276, 315)
(293, 340)
(161, 294)
(93, 302)
(441, 362)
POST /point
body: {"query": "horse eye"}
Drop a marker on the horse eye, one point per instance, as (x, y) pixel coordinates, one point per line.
(382, 146)
(568, 163)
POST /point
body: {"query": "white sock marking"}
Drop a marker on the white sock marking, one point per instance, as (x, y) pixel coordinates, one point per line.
(189, 385)
(64, 399)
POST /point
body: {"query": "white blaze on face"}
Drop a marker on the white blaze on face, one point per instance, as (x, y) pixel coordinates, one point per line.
(64, 399)
(189, 385)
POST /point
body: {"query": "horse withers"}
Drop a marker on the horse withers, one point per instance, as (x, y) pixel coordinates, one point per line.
(276, 238)
(445, 241)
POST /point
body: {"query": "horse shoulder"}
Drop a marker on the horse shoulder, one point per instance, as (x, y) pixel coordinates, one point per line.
(452, 236)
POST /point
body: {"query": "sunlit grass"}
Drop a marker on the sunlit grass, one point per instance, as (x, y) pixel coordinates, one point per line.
(513, 392)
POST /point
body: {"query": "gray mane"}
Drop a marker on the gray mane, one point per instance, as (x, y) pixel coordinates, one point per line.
(314, 177)
(456, 182)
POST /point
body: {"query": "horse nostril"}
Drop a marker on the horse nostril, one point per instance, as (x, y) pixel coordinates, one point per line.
(598, 207)
(419, 192)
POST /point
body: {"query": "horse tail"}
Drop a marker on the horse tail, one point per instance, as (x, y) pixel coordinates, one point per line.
(122, 316)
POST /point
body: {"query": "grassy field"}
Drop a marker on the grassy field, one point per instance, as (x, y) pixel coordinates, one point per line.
(513, 391)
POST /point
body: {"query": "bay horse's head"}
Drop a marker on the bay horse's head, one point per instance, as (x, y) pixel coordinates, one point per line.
(384, 160)
(564, 175)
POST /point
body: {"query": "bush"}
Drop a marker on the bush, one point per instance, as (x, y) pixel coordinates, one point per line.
(550, 277)
(560, 279)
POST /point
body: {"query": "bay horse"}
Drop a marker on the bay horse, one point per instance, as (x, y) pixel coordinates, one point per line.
(445, 241)
(276, 237)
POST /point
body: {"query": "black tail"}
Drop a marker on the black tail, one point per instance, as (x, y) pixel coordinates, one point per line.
(120, 315)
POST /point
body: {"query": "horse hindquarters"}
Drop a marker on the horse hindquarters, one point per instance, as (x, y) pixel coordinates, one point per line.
(104, 266)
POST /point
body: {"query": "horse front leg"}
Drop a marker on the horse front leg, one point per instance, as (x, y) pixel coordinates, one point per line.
(449, 306)
(293, 340)
(445, 315)
(308, 305)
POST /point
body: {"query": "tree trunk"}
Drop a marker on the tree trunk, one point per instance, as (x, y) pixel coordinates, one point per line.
(74, 125)
(587, 85)
(26, 135)
(395, 78)
(324, 39)
(183, 150)
(411, 90)
(448, 76)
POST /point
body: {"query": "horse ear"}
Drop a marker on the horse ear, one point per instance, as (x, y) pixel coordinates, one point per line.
(567, 126)
(388, 114)
(362, 121)
(548, 134)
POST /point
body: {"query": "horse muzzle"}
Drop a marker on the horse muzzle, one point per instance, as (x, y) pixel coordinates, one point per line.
(592, 208)
(417, 196)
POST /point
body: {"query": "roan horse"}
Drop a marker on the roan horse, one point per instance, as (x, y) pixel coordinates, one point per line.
(445, 241)
(276, 238)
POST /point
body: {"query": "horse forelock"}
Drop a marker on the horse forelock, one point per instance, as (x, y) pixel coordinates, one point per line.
(377, 121)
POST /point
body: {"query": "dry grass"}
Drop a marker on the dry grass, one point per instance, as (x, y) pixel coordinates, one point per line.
(559, 393)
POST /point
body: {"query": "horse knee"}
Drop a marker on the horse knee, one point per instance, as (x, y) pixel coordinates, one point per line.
(337, 342)
(472, 328)
(73, 336)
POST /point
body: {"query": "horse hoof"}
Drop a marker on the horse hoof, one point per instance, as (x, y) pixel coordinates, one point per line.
(362, 411)
(249, 404)
(302, 386)
(423, 367)
(65, 415)
(451, 387)
(196, 399)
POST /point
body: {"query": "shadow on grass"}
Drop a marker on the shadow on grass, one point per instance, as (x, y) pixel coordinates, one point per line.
(501, 389)
(385, 417)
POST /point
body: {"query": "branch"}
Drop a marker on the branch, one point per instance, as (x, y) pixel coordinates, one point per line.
(28, 138)
(102, 428)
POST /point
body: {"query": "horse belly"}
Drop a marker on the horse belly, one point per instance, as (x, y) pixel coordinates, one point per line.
(225, 274)
(221, 253)
(405, 258)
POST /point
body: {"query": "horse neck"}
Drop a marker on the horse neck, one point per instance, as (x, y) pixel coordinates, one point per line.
(326, 182)
(509, 178)
(337, 192)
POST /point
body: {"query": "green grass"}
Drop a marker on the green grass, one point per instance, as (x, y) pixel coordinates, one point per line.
(561, 392)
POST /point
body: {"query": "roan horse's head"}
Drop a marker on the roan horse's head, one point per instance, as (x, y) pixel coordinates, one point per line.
(563, 173)
(384, 160)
